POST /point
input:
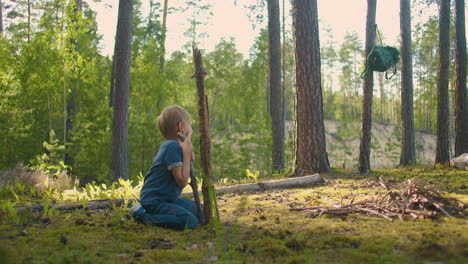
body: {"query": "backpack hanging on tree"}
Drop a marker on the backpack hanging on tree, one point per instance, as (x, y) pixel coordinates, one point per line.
(382, 58)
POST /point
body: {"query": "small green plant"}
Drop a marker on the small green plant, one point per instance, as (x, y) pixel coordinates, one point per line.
(9, 211)
(12, 190)
(51, 163)
(47, 200)
(254, 176)
(46, 205)
(224, 180)
(84, 202)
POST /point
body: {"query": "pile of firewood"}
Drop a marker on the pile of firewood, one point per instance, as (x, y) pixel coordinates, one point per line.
(412, 198)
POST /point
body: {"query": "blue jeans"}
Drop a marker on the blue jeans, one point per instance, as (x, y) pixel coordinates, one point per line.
(178, 215)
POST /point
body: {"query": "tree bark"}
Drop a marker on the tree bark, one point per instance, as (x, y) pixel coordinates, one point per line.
(382, 97)
(442, 145)
(29, 21)
(310, 153)
(205, 139)
(71, 105)
(408, 156)
(283, 72)
(274, 75)
(1, 19)
(112, 81)
(163, 39)
(122, 57)
(365, 145)
(461, 103)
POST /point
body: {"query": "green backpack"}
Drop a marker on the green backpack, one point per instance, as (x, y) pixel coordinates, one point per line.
(381, 58)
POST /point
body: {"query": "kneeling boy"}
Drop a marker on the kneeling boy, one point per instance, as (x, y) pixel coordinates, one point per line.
(168, 175)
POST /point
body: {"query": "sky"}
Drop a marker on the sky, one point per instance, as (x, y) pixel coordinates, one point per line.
(230, 20)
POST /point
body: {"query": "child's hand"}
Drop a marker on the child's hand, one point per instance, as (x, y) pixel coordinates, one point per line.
(186, 145)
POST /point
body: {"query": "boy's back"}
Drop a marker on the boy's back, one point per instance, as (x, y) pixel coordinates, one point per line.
(159, 184)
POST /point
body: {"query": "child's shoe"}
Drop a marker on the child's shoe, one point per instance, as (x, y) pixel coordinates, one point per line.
(137, 211)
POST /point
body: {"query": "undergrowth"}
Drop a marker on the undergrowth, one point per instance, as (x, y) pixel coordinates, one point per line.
(256, 227)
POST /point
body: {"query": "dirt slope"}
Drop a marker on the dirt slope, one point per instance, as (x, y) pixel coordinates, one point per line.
(343, 144)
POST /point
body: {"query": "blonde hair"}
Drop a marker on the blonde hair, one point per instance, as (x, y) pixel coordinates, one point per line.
(169, 118)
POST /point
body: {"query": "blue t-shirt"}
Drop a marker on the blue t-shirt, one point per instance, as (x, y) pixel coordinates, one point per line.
(159, 184)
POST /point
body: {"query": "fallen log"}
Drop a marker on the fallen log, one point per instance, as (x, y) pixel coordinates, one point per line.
(103, 204)
(304, 181)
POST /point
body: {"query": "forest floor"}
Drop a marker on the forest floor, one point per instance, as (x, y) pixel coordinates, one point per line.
(255, 228)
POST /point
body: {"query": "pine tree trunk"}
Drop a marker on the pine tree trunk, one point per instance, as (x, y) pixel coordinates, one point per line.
(382, 97)
(283, 71)
(1, 19)
(364, 147)
(112, 80)
(274, 75)
(461, 103)
(442, 145)
(29, 21)
(122, 57)
(408, 155)
(205, 138)
(71, 105)
(310, 153)
(163, 39)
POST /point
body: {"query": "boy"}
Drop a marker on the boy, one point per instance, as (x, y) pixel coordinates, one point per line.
(168, 175)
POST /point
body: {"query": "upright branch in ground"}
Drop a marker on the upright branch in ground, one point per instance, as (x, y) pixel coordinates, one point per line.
(310, 153)
(461, 103)
(274, 79)
(408, 156)
(196, 197)
(209, 198)
(194, 186)
(123, 44)
(364, 147)
(442, 145)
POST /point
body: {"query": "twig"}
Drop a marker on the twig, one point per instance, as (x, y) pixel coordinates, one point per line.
(411, 199)
(374, 212)
(438, 206)
(213, 107)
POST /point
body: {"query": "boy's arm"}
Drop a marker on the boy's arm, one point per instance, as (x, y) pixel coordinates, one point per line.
(182, 174)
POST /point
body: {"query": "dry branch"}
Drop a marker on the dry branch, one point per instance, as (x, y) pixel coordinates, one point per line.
(205, 138)
(409, 199)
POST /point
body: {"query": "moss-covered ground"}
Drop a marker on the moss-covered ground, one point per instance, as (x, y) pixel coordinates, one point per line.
(255, 228)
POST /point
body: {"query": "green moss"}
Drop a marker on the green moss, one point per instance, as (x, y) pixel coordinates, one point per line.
(256, 228)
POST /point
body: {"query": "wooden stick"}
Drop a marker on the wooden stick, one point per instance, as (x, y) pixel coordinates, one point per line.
(205, 140)
(328, 208)
(194, 185)
(196, 197)
(374, 212)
